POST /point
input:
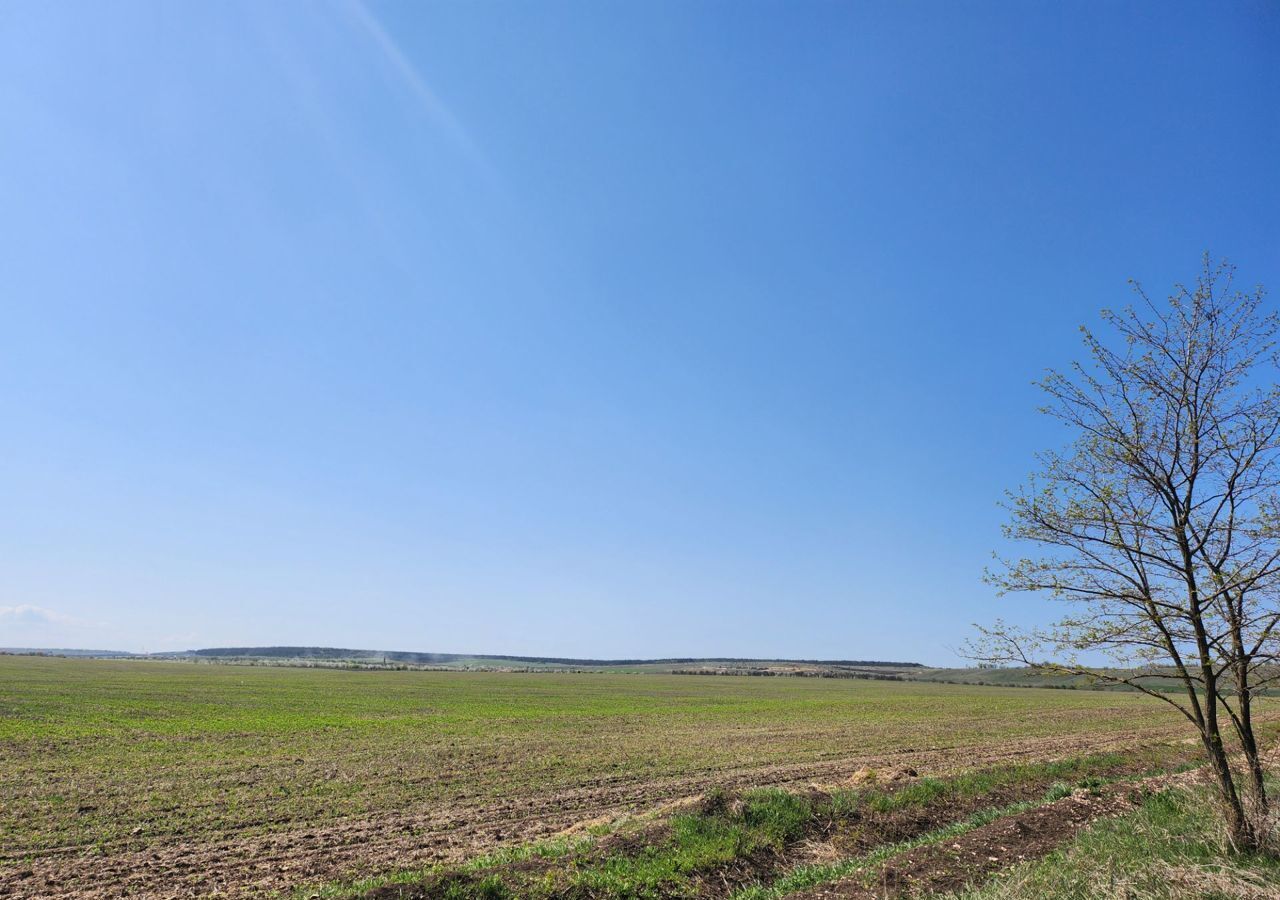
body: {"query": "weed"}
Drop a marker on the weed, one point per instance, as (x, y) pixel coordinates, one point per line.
(1057, 791)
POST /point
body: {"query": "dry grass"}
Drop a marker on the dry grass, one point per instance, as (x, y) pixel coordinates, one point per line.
(1188, 880)
(1174, 847)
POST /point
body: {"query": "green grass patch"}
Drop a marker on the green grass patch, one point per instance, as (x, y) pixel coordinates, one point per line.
(699, 842)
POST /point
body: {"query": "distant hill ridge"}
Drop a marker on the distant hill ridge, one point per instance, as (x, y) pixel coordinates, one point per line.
(428, 658)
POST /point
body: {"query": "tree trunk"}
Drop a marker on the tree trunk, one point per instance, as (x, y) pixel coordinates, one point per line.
(1253, 761)
(1239, 828)
(1243, 718)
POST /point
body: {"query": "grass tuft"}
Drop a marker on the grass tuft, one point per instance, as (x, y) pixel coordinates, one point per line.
(779, 816)
(1057, 791)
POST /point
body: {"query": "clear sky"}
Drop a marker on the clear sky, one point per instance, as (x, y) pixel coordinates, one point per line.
(607, 329)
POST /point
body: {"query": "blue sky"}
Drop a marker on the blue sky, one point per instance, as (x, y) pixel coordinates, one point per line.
(600, 329)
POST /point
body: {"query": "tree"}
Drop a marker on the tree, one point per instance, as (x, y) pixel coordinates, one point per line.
(1159, 525)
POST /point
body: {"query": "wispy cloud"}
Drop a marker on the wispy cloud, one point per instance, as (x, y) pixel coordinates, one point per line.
(438, 112)
(27, 614)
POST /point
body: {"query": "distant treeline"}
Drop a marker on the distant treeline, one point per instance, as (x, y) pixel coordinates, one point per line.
(337, 653)
(61, 651)
(798, 673)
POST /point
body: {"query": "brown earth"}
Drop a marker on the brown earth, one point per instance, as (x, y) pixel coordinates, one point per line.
(366, 846)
